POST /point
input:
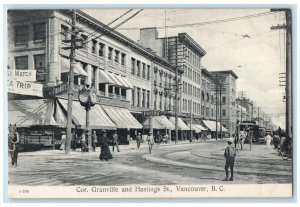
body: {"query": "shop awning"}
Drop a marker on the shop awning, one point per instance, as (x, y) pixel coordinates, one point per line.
(159, 122)
(181, 124)
(122, 117)
(104, 78)
(155, 123)
(114, 79)
(197, 128)
(98, 118)
(124, 81)
(27, 113)
(65, 67)
(212, 125)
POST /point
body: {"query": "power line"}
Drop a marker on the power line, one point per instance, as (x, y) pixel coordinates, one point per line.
(113, 21)
(121, 23)
(210, 22)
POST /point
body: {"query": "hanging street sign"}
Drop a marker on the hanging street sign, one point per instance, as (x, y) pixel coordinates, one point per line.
(22, 75)
(25, 88)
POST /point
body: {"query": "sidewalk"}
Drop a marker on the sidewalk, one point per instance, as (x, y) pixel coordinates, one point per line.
(131, 146)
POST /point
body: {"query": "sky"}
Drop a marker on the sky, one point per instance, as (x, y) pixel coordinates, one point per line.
(241, 41)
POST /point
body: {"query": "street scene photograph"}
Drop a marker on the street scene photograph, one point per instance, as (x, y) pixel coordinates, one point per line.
(184, 102)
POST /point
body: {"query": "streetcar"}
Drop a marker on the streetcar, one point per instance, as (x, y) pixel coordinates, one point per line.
(253, 130)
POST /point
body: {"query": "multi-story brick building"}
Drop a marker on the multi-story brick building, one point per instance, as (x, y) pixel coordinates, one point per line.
(128, 78)
(228, 99)
(184, 54)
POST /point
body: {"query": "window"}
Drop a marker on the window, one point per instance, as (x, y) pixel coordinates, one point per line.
(21, 35)
(144, 71)
(224, 112)
(133, 97)
(207, 111)
(110, 53)
(117, 56)
(224, 100)
(138, 67)
(212, 112)
(84, 41)
(143, 98)
(101, 49)
(212, 99)
(202, 96)
(21, 62)
(94, 69)
(40, 66)
(94, 43)
(148, 72)
(64, 32)
(207, 97)
(148, 99)
(39, 32)
(123, 57)
(132, 66)
(138, 96)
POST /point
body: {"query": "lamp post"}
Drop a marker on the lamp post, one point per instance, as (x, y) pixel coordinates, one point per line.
(88, 99)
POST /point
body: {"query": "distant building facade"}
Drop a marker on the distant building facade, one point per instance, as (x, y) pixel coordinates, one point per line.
(228, 99)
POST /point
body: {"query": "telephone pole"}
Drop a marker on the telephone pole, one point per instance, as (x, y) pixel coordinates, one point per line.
(288, 68)
(72, 49)
(71, 83)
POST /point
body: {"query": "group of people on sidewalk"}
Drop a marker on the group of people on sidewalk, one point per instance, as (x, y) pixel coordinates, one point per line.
(82, 142)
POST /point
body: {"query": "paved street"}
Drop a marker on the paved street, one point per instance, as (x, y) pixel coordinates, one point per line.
(183, 163)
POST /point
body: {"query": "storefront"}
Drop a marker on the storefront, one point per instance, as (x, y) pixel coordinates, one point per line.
(34, 121)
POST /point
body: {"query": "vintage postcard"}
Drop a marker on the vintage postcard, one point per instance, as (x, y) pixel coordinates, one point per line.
(149, 103)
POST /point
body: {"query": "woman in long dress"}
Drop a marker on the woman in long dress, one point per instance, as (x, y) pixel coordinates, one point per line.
(63, 140)
(105, 151)
(268, 140)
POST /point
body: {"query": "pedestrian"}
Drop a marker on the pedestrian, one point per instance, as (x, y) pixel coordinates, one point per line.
(73, 140)
(235, 137)
(13, 144)
(138, 140)
(268, 140)
(229, 155)
(158, 137)
(276, 141)
(105, 151)
(94, 141)
(83, 142)
(242, 138)
(116, 141)
(63, 140)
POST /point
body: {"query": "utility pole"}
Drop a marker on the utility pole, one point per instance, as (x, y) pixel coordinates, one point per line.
(288, 68)
(72, 49)
(191, 117)
(71, 82)
(216, 109)
(176, 106)
(221, 110)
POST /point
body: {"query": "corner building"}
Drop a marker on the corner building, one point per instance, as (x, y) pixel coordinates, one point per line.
(128, 78)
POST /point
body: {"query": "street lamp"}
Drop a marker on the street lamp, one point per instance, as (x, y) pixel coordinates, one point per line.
(88, 99)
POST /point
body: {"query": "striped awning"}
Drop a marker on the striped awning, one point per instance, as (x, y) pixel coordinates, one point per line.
(114, 79)
(159, 122)
(122, 118)
(98, 118)
(65, 67)
(31, 112)
(181, 124)
(212, 125)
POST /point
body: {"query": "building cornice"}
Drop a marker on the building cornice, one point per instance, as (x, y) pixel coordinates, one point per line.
(227, 72)
(184, 37)
(104, 29)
